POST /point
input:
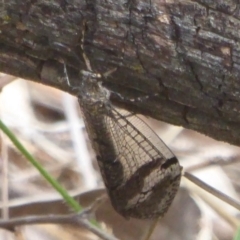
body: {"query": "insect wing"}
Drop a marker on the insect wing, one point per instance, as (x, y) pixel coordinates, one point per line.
(151, 172)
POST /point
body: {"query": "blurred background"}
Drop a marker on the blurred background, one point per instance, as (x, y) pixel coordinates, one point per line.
(48, 123)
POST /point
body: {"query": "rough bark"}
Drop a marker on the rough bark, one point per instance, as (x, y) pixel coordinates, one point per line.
(185, 51)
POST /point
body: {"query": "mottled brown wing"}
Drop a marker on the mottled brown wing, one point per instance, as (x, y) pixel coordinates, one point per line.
(151, 173)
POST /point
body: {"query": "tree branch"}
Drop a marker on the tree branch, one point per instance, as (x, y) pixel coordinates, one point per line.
(186, 51)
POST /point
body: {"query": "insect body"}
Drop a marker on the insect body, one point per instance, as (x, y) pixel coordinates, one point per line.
(140, 173)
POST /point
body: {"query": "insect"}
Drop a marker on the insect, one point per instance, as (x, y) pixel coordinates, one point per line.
(140, 173)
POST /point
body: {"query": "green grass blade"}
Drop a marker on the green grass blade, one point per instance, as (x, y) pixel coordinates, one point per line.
(69, 200)
(237, 236)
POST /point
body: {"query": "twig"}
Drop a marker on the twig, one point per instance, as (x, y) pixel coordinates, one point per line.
(78, 219)
(151, 229)
(212, 190)
(232, 202)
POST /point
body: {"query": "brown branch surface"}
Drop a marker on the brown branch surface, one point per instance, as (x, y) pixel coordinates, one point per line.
(186, 51)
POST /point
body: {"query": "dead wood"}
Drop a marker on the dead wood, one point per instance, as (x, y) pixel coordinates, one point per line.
(185, 51)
